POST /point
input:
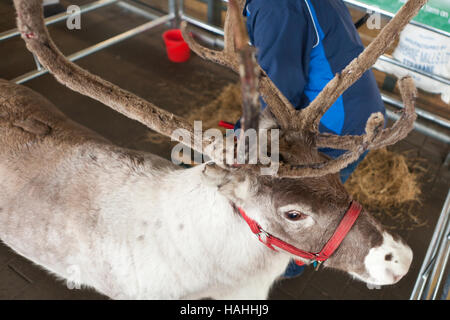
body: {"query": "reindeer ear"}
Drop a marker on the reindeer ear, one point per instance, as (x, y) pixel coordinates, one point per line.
(236, 185)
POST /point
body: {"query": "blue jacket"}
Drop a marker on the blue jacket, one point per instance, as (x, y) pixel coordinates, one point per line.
(301, 45)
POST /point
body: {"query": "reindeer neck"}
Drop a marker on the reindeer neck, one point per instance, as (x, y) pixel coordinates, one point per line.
(188, 220)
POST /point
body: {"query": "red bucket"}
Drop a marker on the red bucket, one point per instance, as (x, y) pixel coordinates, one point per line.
(177, 49)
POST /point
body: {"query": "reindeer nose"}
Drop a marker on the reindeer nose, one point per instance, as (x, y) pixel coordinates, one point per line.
(398, 264)
(388, 263)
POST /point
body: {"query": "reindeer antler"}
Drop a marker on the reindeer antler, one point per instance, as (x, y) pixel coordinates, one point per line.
(30, 22)
(31, 25)
(388, 136)
(307, 120)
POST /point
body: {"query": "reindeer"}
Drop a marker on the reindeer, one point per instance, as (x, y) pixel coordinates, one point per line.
(133, 225)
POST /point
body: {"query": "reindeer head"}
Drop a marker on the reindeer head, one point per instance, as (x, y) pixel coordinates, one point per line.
(305, 213)
(304, 201)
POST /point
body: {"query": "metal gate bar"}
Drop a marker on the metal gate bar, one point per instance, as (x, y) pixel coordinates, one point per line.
(60, 17)
(358, 5)
(203, 25)
(418, 71)
(155, 21)
(99, 46)
(420, 112)
(421, 127)
(428, 284)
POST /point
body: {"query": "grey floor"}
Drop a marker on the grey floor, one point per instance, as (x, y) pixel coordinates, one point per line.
(140, 65)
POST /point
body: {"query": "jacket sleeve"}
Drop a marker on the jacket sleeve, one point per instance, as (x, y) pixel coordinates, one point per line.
(284, 38)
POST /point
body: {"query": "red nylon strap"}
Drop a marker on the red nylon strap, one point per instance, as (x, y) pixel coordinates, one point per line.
(226, 125)
(344, 227)
(339, 234)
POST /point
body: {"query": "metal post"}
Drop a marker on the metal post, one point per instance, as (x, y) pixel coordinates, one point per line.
(214, 14)
(36, 60)
(436, 258)
(173, 10)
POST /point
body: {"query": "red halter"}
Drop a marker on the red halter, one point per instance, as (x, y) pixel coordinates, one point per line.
(339, 234)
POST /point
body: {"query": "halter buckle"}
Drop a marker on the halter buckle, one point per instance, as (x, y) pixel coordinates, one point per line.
(262, 236)
(317, 265)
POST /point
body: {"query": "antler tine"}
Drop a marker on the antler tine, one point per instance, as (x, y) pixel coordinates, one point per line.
(280, 107)
(401, 128)
(309, 118)
(389, 136)
(30, 22)
(227, 56)
(373, 127)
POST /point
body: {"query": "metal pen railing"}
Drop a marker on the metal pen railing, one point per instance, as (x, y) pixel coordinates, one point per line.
(155, 21)
(60, 17)
(429, 282)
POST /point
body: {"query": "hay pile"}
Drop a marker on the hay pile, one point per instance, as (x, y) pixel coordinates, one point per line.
(383, 179)
(386, 183)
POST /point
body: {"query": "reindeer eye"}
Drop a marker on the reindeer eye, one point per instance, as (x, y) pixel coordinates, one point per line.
(295, 215)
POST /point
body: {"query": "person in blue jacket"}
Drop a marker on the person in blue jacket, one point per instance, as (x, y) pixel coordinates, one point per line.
(301, 45)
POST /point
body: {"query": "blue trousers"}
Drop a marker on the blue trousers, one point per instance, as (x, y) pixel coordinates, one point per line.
(294, 269)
